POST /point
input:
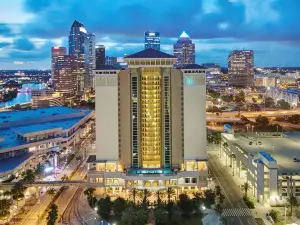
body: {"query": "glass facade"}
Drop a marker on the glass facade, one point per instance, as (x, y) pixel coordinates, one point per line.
(167, 122)
(134, 109)
(152, 40)
(151, 118)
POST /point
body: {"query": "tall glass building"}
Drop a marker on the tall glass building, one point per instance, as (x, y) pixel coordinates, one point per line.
(151, 125)
(89, 60)
(77, 37)
(100, 56)
(65, 75)
(152, 40)
(55, 52)
(241, 68)
(184, 50)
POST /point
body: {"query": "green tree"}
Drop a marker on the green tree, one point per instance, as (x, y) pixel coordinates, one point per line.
(133, 195)
(262, 120)
(161, 215)
(51, 192)
(104, 207)
(170, 194)
(52, 215)
(146, 196)
(134, 215)
(119, 206)
(65, 177)
(283, 104)
(159, 194)
(254, 100)
(294, 119)
(260, 96)
(275, 215)
(29, 176)
(292, 201)
(209, 198)
(218, 209)
(269, 102)
(186, 205)
(245, 188)
(5, 204)
(17, 191)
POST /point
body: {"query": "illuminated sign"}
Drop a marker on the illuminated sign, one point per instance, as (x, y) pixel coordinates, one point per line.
(189, 81)
(82, 29)
(228, 129)
(151, 34)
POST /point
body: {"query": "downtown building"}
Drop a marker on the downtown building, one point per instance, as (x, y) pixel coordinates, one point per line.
(184, 50)
(100, 56)
(241, 68)
(77, 37)
(151, 126)
(152, 40)
(89, 60)
(55, 52)
(65, 75)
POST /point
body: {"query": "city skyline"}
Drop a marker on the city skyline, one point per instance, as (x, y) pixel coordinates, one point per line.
(26, 37)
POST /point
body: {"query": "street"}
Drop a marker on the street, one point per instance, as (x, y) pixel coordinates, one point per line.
(235, 209)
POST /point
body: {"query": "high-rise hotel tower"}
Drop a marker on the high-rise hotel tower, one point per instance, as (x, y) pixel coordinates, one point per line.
(150, 125)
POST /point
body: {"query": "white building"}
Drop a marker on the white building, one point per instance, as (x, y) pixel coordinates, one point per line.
(269, 162)
(151, 125)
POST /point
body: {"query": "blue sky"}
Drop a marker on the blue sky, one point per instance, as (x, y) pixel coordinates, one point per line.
(28, 28)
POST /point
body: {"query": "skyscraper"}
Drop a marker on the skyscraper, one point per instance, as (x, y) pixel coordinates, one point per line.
(151, 120)
(111, 60)
(184, 50)
(89, 60)
(77, 36)
(65, 75)
(241, 68)
(100, 56)
(152, 40)
(55, 52)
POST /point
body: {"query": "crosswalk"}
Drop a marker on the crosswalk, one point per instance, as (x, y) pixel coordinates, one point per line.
(236, 212)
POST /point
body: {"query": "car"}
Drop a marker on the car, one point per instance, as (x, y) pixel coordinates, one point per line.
(259, 143)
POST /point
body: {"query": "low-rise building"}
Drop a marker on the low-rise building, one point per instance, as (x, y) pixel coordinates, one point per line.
(290, 95)
(27, 134)
(269, 162)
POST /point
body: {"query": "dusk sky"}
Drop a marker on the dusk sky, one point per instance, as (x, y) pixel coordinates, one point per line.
(28, 28)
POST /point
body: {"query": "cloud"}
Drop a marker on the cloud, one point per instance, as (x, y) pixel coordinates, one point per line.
(4, 44)
(23, 44)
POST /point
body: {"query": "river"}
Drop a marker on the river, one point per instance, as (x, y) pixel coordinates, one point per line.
(23, 96)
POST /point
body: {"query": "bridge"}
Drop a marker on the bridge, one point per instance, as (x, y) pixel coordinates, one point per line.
(55, 183)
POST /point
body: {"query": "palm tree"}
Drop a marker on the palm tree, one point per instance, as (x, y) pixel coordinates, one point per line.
(159, 195)
(292, 201)
(5, 205)
(65, 177)
(51, 192)
(146, 195)
(170, 194)
(245, 188)
(52, 215)
(133, 194)
(17, 191)
(29, 176)
(89, 193)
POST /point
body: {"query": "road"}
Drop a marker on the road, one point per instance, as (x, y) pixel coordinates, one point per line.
(232, 115)
(235, 209)
(32, 216)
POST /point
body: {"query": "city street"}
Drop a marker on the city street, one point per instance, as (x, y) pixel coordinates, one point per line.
(235, 210)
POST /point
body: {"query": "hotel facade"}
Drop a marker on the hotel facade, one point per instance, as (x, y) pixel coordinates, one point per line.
(150, 125)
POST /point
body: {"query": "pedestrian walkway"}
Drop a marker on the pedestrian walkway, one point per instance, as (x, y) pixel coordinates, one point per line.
(236, 212)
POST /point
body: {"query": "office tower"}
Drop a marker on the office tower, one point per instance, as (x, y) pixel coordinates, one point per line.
(65, 75)
(184, 50)
(100, 55)
(111, 60)
(77, 36)
(151, 125)
(56, 51)
(89, 60)
(152, 40)
(241, 68)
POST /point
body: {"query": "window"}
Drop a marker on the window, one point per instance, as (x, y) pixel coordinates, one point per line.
(194, 180)
(187, 180)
